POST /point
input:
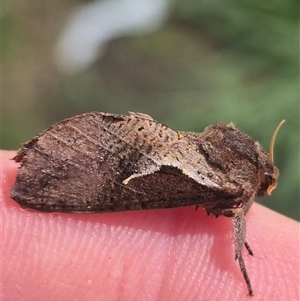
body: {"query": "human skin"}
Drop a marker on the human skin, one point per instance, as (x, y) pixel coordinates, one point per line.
(174, 254)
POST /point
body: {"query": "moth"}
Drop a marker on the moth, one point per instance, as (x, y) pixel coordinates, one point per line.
(100, 162)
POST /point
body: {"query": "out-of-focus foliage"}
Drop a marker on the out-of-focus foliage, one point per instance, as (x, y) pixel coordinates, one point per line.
(212, 61)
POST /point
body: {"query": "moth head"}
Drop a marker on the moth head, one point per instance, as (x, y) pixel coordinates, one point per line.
(271, 173)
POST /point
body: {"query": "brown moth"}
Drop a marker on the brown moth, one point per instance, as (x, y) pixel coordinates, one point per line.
(100, 162)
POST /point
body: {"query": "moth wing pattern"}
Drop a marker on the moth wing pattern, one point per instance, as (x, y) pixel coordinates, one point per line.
(100, 162)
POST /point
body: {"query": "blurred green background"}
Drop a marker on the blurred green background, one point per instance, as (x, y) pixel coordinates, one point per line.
(211, 61)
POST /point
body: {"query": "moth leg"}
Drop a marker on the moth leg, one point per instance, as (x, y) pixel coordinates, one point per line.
(246, 207)
(248, 248)
(248, 204)
(239, 228)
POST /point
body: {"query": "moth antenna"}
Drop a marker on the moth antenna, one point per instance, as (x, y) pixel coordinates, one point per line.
(271, 149)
